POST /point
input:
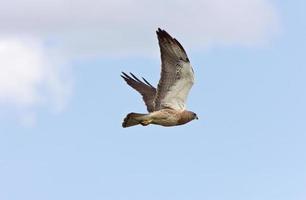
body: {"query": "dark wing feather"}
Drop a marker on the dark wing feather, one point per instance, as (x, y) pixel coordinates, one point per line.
(147, 91)
(173, 57)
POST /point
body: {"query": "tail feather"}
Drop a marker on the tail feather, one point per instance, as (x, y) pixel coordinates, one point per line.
(132, 119)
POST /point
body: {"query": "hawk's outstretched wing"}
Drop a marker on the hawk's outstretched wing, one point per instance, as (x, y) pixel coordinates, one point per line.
(147, 91)
(177, 75)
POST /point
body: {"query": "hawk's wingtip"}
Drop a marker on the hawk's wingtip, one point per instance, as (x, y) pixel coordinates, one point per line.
(124, 74)
(159, 31)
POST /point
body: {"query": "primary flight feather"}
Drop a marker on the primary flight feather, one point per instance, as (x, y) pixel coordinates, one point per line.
(166, 104)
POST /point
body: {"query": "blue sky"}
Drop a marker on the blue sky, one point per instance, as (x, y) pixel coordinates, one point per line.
(60, 127)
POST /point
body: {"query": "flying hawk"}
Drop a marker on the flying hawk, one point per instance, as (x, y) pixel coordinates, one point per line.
(166, 104)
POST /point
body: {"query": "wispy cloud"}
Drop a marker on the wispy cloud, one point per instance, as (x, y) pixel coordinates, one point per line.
(91, 27)
(30, 77)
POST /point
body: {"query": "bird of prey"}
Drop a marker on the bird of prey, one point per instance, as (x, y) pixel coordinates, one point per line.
(166, 104)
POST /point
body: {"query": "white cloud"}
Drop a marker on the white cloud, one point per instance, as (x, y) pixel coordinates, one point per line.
(21, 67)
(29, 78)
(97, 26)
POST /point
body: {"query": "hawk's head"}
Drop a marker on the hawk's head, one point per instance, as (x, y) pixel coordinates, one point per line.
(194, 116)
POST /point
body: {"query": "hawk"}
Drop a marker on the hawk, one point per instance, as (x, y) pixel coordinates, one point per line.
(166, 104)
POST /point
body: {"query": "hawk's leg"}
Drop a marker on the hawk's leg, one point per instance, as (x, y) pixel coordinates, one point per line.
(145, 122)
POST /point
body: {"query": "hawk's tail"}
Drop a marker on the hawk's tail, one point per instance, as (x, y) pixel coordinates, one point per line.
(133, 119)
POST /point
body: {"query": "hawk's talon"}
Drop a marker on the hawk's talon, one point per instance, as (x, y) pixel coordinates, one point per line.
(145, 122)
